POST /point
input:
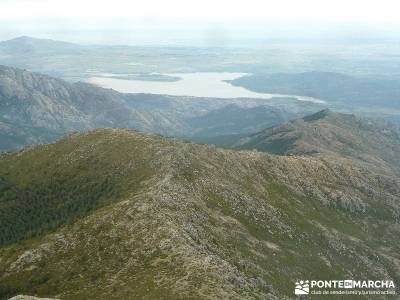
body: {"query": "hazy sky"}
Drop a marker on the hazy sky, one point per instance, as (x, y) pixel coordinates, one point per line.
(110, 21)
(337, 10)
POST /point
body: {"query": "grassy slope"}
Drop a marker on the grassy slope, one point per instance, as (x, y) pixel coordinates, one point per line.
(184, 221)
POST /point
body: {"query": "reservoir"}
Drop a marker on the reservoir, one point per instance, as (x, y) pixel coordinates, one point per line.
(204, 84)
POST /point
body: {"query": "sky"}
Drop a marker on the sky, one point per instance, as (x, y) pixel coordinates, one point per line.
(116, 21)
(206, 10)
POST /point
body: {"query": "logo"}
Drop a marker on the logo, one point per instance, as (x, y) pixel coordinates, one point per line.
(302, 288)
(344, 287)
(348, 284)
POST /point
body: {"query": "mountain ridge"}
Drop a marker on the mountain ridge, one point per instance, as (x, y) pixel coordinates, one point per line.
(203, 222)
(373, 143)
(55, 107)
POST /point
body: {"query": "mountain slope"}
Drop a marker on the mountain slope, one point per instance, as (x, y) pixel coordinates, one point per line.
(37, 108)
(233, 119)
(41, 100)
(117, 214)
(374, 144)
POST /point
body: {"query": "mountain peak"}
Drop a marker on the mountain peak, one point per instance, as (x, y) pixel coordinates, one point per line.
(24, 39)
(319, 115)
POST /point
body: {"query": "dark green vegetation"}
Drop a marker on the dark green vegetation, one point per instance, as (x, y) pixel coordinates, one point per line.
(42, 192)
(156, 218)
(40, 197)
(38, 209)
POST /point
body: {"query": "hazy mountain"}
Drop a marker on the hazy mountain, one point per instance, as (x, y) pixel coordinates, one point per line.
(28, 45)
(117, 214)
(373, 143)
(329, 86)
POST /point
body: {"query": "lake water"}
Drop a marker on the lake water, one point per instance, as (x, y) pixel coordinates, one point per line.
(205, 84)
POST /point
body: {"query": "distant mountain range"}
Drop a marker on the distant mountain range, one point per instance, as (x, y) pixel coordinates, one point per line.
(118, 214)
(36, 108)
(374, 95)
(333, 87)
(28, 45)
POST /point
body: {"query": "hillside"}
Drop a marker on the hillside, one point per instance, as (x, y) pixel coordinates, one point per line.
(118, 214)
(234, 119)
(374, 144)
(37, 108)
